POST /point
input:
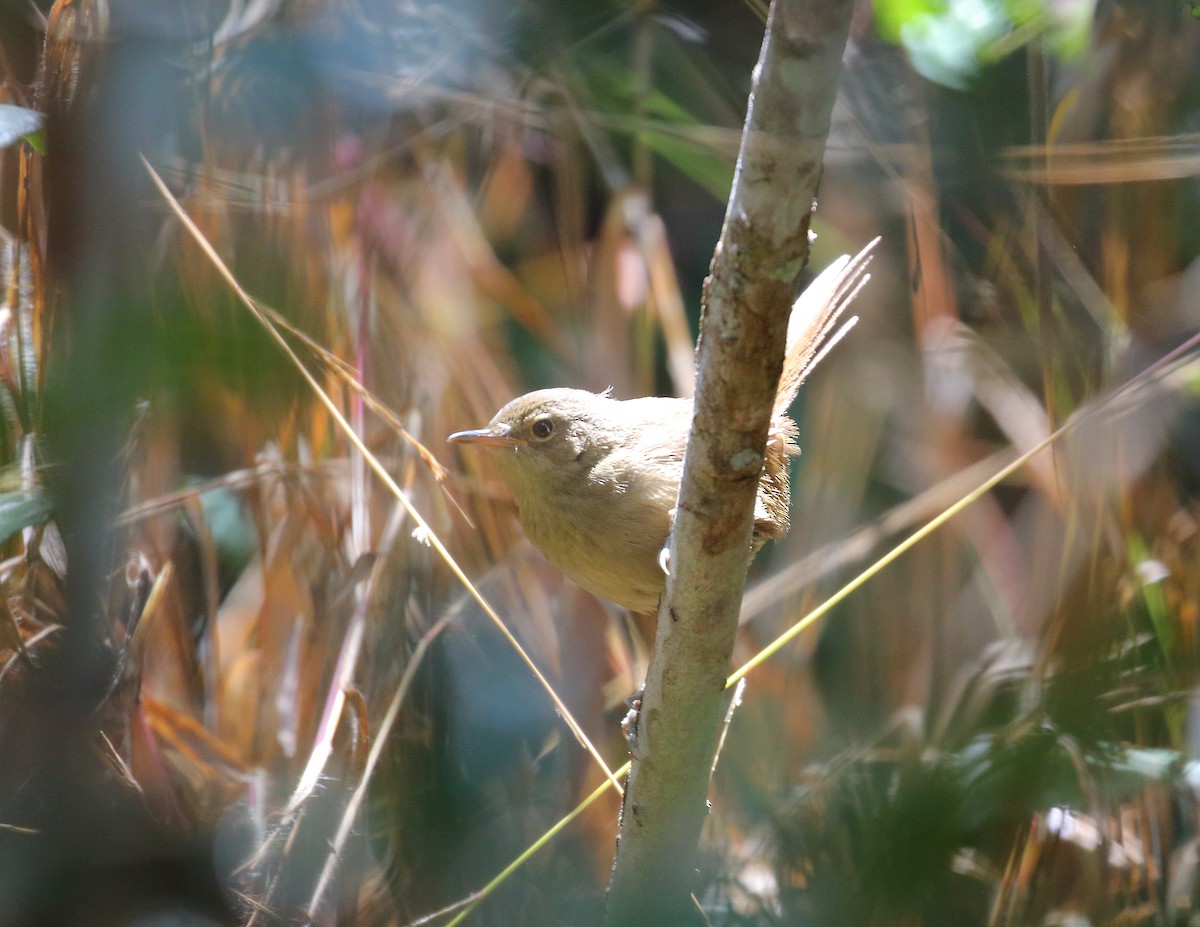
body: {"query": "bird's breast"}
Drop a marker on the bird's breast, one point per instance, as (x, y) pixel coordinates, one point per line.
(605, 533)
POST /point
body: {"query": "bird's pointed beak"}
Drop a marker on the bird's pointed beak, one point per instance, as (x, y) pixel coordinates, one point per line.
(492, 436)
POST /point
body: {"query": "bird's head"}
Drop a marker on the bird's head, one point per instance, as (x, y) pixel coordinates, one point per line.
(548, 437)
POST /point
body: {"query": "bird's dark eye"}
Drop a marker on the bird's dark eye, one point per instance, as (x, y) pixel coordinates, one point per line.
(542, 428)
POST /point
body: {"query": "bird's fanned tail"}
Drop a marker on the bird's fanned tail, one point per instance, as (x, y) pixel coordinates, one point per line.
(814, 315)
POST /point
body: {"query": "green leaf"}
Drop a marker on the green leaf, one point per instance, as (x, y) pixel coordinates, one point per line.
(19, 510)
(891, 16)
(950, 41)
(37, 141)
(232, 531)
(710, 171)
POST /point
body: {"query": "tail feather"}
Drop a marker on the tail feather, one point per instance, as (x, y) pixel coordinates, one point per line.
(814, 316)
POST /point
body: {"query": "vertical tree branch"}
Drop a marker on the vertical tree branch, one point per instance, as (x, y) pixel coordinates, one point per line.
(763, 247)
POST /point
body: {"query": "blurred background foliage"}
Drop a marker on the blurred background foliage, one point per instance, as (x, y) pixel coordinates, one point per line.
(239, 685)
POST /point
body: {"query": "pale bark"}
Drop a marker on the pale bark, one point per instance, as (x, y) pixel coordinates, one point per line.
(763, 247)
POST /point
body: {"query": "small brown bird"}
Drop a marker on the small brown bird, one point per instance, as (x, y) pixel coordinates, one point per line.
(596, 478)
